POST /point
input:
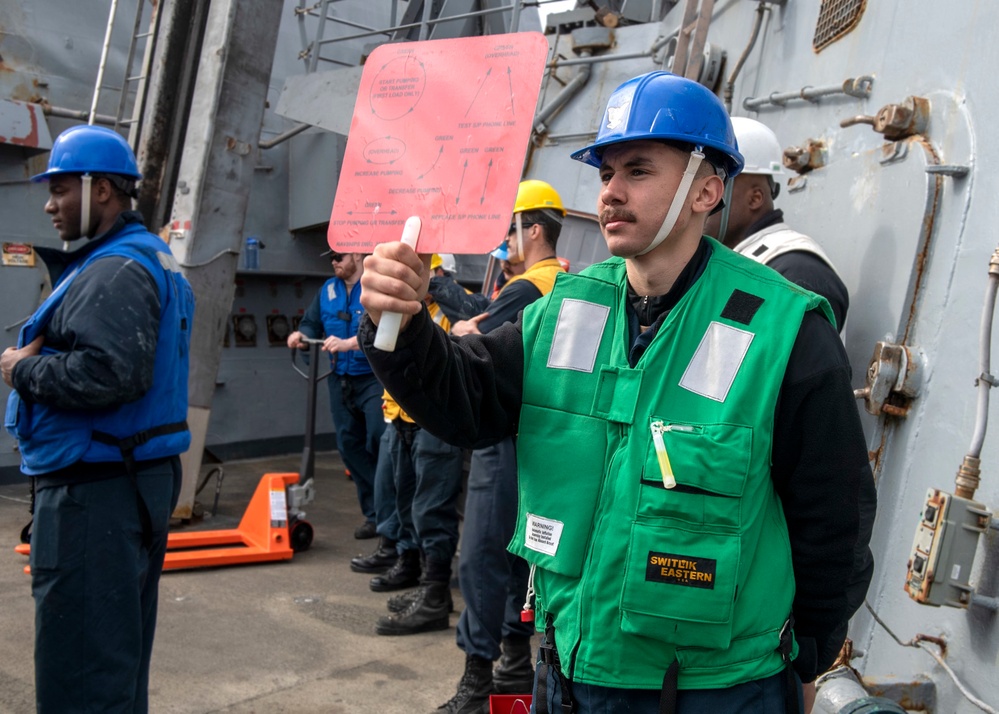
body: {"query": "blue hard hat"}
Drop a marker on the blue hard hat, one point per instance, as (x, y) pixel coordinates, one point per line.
(664, 106)
(502, 252)
(89, 149)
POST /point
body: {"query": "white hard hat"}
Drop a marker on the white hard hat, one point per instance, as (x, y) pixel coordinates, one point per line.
(447, 263)
(759, 146)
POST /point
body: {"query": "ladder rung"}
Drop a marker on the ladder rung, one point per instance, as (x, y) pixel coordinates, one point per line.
(126, 122)
(143, 34)
(135, 78)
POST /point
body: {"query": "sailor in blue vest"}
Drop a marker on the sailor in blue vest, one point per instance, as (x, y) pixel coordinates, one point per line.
(99, 408)
(355, 394)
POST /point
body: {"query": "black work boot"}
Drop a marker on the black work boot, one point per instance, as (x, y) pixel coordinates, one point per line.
(381, 560)
(365, 530)
(404, 573)
(515, 672)
(427, 612)
(398, 603)
(474, 688)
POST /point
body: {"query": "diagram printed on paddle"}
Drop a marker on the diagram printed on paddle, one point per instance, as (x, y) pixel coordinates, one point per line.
(439, 131)
(398, 87)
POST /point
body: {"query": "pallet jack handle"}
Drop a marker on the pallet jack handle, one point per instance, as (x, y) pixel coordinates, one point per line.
(308, 466)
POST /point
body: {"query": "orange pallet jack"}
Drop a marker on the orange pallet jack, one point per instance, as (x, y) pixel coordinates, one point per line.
(273, 526)
(268, 531)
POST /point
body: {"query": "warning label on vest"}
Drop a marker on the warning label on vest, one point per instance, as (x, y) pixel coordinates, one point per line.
(543, 534)
(681, 570)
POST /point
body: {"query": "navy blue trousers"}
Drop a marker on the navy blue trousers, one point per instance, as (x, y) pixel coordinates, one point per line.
(428, 483)
(96, 587)
(386, 516)
(356, 407)
(493, 580)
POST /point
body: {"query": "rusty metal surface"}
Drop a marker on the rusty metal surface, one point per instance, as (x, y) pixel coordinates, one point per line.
(914, 695)
(23, 124)
(803, 159)
(934, 187)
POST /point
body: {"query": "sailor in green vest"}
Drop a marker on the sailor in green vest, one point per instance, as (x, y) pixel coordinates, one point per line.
(695, 498)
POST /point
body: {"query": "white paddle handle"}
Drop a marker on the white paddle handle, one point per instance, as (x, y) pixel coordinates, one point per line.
(388, 326)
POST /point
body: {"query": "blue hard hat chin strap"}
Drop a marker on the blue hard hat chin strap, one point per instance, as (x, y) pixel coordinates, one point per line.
(87, 182)
(696, 157)
(726, 210)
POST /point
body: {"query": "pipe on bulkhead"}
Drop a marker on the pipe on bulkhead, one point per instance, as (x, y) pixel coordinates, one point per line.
(969, 473)
(283, 137)
(840, 692)
(729, 91)
(65, 113)
(567, 93)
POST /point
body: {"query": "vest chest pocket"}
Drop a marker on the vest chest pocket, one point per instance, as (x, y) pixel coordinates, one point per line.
(680, 585)
(16, 424)
(695, 472)
(559, 480)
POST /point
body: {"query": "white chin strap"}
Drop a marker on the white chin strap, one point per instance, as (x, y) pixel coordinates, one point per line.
(696, 157)
(519, 223)
(87, 180)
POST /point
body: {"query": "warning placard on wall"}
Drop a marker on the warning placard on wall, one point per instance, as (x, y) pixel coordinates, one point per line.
(21, 255)
(439, 131)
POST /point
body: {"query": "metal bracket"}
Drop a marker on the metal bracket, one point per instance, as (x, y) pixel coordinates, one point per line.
(893, 152)
(894, 371)
(952, 170)
(985, 602)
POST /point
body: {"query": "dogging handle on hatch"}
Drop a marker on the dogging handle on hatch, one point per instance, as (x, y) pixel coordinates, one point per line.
(388, 326)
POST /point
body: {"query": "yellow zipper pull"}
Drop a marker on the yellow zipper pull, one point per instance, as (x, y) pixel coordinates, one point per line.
(658, 428)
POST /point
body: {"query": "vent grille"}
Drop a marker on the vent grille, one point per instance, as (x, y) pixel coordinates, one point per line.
(836, 18)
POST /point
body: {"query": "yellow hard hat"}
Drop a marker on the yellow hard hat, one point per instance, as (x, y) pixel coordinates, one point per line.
(435, 261)
(533, 195)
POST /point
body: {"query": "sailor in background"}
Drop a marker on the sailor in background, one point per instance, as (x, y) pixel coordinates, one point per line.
(355, 394)
(99, 411)
(749, 224)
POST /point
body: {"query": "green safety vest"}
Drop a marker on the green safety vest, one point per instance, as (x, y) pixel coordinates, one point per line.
(635, 574)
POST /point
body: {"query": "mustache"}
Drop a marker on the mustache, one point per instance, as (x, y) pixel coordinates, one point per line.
(609, 215)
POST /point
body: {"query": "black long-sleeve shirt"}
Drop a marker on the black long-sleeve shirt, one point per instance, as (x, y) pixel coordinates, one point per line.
(456, 303)
(104, 331)
(468, 392)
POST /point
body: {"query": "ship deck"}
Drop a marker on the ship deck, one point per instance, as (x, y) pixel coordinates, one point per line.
(292, 636)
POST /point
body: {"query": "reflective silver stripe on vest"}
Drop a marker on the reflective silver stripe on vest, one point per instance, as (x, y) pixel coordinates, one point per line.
(578, 332)
(168, 262)
(714, 365)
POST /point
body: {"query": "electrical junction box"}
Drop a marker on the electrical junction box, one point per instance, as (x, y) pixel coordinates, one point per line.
(944, 549)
